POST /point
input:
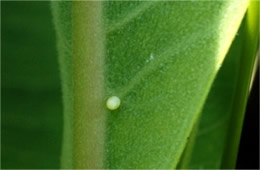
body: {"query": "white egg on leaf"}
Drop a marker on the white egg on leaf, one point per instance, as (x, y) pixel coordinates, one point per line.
(113, 103)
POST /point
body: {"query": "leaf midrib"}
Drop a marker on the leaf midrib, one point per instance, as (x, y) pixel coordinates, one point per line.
(88, 85)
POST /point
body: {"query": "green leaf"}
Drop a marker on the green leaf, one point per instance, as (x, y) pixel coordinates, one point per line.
(210, 139)
(31, 108)
(248, 64)
(160, 58)
(216, 144)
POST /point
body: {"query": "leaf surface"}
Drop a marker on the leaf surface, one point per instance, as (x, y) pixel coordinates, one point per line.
(217, 139)
(159, 58)
(31, 108)
(211, 135)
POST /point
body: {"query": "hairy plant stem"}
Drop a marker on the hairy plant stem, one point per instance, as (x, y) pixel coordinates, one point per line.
(88, 81)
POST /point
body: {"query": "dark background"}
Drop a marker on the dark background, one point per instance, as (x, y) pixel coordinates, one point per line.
(248, 156)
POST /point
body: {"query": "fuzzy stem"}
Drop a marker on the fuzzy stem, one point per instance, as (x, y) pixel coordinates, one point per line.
(88, 84)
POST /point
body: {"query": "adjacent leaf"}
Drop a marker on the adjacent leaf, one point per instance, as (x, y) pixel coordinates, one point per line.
(247, 66)
(31, 108)
(160, 58)
(210, 139)
(221, 110)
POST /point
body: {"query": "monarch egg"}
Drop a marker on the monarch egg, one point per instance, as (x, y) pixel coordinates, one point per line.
(113, 103)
